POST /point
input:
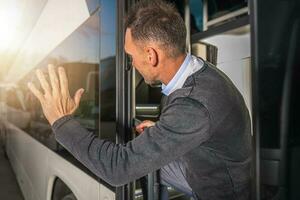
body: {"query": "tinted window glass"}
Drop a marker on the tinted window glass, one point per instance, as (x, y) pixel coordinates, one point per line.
(196, 9)
(218, 8)
(272, 58)
(108, 70)
(79, 54)
(196, 13)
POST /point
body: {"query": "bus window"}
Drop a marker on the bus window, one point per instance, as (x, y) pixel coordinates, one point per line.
(79, 55)
(196, 13)
(218, 8)
(15, 108)
(88, 68)
(196, 9)
(107, 69)
(88, 57)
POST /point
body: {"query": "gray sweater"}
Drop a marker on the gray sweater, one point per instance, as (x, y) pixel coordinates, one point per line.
(205, 125)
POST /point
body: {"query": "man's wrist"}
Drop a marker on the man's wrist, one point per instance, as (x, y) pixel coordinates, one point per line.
(60, 121)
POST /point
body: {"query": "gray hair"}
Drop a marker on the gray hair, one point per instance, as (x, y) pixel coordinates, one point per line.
(160, 22)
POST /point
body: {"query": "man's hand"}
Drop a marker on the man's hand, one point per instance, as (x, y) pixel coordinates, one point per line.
(56, 100)
(145, 124)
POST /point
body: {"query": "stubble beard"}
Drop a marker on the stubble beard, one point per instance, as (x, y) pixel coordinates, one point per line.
(152, 83)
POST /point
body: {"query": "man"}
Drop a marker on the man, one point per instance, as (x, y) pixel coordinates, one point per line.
(201, 142)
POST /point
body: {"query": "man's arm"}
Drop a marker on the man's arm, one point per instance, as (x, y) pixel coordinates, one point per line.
(183, 125)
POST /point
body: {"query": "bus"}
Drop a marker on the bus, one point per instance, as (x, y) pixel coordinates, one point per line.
(86, 37)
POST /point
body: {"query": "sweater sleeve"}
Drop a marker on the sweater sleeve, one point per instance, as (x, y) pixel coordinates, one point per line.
(183, 125)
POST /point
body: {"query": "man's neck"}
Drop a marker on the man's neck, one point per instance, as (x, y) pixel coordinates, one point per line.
(171, 66)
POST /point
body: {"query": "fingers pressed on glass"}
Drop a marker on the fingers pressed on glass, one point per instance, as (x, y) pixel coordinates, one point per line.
(36, 92)
(78, 95)
(63, 82)
(44, 83)
(54, 80)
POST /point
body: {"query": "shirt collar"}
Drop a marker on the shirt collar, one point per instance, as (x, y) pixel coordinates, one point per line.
(169, 88)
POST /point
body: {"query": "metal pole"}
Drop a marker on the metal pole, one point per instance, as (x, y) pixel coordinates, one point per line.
(255, 101)
(187, 20)
(205, 15)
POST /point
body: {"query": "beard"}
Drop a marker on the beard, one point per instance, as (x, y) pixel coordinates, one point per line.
(152, 83)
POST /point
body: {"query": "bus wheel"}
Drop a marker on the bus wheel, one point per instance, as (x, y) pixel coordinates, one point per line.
(69, 197)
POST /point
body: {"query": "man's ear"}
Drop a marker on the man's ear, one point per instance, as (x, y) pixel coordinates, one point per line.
(152, 56)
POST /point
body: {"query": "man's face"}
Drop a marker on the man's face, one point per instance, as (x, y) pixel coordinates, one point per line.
(139, 59)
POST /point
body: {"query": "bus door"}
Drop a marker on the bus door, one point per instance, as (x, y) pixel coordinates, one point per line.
(275, 48)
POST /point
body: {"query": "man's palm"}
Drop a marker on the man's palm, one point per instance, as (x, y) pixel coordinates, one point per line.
(56, 100)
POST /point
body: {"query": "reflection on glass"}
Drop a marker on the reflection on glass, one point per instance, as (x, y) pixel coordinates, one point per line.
(196, 13)
(88, 65)
(108, 70)
(79, 55)
(218, 8)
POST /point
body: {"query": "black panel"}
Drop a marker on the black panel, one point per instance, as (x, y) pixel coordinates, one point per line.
(276, 50)
(272, 60)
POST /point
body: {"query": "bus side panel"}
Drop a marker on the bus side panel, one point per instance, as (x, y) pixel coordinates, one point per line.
(23, 151)
(36, 181)
(81, 184)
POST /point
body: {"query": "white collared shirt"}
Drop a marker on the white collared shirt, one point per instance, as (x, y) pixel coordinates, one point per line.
(190, 65)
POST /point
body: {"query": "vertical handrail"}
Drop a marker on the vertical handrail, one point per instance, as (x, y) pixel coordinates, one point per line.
(187, 20)
(121, 193)
(255, 100)
(124, 93)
